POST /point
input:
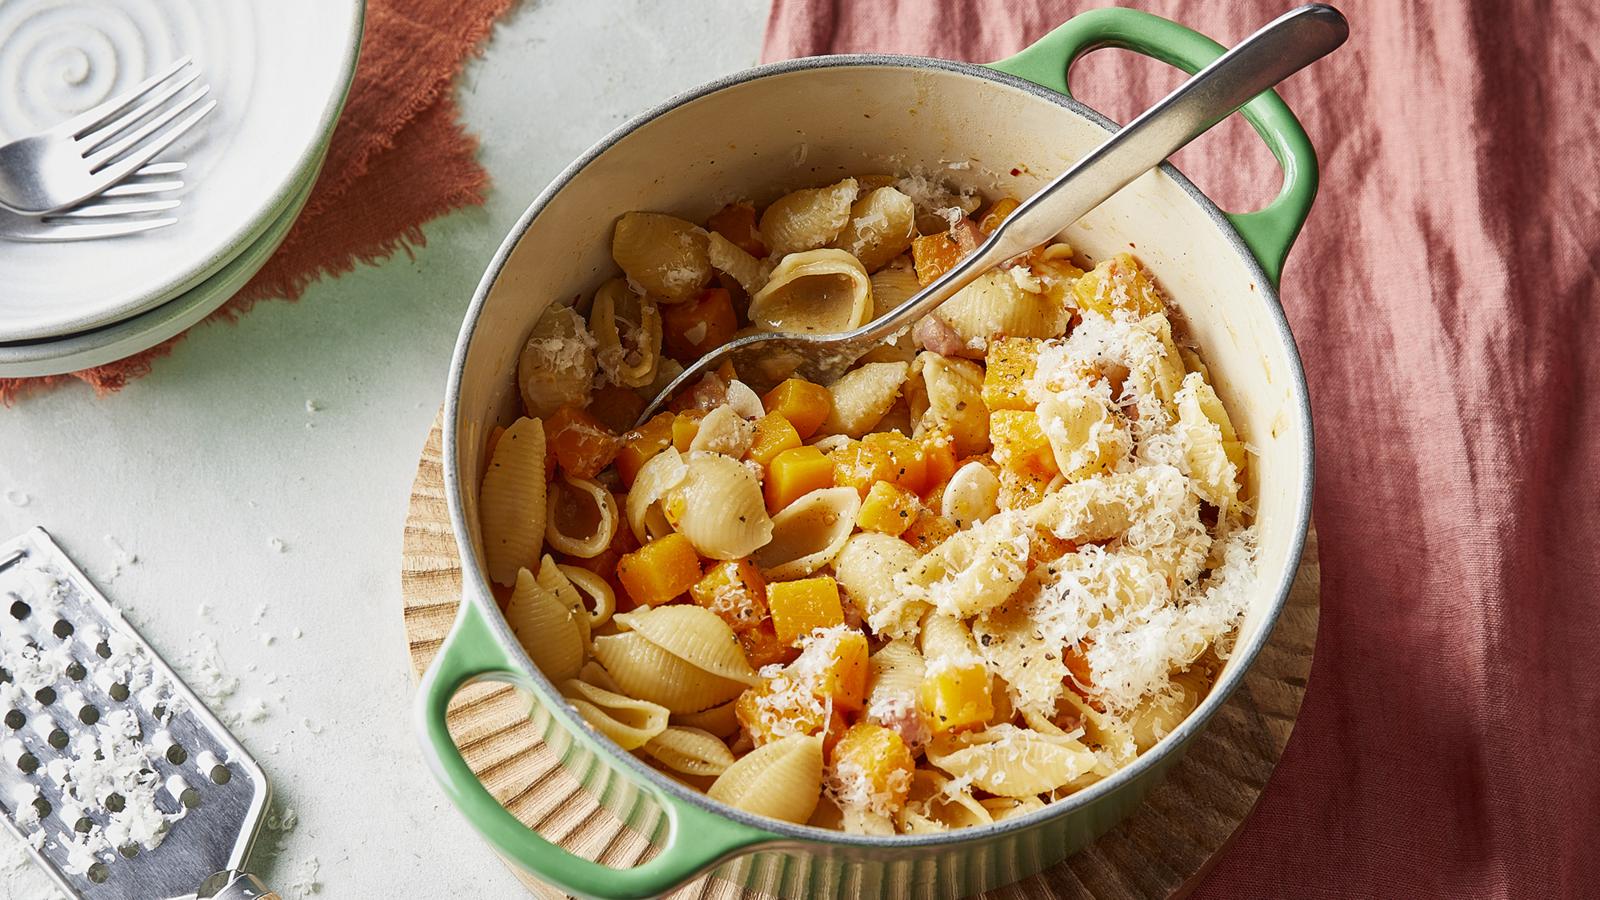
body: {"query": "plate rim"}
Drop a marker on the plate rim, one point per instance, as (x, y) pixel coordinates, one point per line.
(248, 232)
(135, 334)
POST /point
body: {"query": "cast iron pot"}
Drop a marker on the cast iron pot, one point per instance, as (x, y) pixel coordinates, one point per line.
(1009, 127)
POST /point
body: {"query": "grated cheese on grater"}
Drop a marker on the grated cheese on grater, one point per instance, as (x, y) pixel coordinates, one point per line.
(109, 769)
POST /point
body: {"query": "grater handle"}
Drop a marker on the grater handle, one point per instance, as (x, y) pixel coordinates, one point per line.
(235, 885)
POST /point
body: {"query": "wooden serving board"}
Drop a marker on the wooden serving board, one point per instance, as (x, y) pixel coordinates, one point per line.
(1191, 816)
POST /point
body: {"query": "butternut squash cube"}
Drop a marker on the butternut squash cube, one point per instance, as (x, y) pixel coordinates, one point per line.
(762, 647)
(800, 607)
(701, 323)
(1020, 489)
(888, 509)
(582, 446)
(997, 213)
(1009, 365)
(659, 571)
(861, 465)
(928, 530)
(933, 255)
(685, 425)
(794, 473)
(804, 404)
(736, 591)
(844, 679)
(1118, 283)
(957, 697)
(910, 468)
(768, 713)
(774, 434)
(882, 762)
(1019, 442)
(938, 458)
(642, 443)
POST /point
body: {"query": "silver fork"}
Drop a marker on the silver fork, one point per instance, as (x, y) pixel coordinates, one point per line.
(109, 215)
(96, 149)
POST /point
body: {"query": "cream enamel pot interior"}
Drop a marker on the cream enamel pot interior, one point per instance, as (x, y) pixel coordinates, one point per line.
(811, 121)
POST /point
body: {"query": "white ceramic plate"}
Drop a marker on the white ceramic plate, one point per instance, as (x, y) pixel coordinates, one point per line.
(279, 72)
(143, 331)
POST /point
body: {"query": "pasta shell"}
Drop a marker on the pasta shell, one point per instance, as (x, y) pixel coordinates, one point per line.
(581, 517)
(996, 305)
(882, 224)
(1012, 762)
(694, 634)
(596, 674)
(816, 291)
(866, 568)
(730, 258)
(862, 396)
(1159, 714)
(782, 779)
(1002, 808)
(972, 495)
(745, 401)
(646, 670)
(627, 334)
(953, 392)
(1208, 436)
(724, 431)
(976, 569)
(719, 507)
(601, 594)
(629, 721)
(808, 533)
(553, 579)
(807, 219)
(658, 477)
(690, 751)
(893, 285)
(545, 627)
(663, 255)
(1087, 436)
(512, 501)
(556, 366)
(937, 804)
(721, 720)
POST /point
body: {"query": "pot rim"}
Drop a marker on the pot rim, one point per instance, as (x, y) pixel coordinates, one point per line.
(475, 582)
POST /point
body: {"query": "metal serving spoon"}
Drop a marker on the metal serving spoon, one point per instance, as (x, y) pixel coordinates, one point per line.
(1285, 46)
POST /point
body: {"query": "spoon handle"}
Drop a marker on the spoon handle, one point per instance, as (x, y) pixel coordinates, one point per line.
(1283, 47)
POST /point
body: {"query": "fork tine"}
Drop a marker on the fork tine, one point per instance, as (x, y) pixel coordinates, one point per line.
(90, 118)
(119, 171)
(166, 168)
(132, 188)
(106, 210)
(54, 233)
(102, 136)
(99, 160)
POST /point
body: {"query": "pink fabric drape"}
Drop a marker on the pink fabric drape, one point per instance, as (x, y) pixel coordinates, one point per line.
(1444, 298)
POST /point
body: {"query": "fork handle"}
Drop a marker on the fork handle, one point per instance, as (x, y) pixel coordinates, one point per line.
(1283, 47)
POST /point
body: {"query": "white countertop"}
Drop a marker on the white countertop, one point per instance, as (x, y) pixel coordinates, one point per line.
(263, 469)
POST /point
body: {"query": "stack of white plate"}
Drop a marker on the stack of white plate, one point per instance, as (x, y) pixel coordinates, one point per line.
(279, 72)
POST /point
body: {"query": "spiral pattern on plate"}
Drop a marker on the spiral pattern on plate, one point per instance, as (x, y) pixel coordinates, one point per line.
(61, 57)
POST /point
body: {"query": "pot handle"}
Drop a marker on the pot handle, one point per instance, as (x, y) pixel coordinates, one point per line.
(1268, 232)
(695, 839)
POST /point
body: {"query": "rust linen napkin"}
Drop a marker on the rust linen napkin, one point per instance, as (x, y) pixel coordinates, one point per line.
(1444, 297)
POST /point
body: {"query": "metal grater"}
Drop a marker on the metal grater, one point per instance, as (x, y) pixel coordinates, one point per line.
(79, 687)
